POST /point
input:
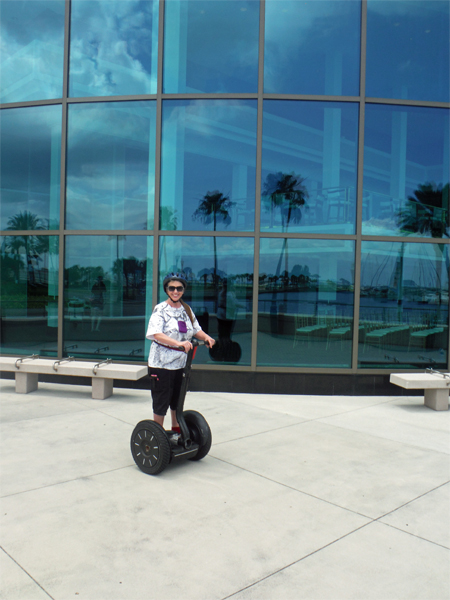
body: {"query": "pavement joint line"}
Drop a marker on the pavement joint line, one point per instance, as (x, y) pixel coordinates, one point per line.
(289, 487)
(295, 562)
(419, 537)
(26, 572)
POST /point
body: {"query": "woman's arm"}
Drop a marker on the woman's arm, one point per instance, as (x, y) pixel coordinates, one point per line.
(201, 335)
(164, 339)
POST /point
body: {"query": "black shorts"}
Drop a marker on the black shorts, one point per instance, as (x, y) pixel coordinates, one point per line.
(165, 386)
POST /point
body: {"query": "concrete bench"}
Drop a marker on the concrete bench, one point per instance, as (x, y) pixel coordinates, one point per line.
(435, 384)
(27, 370)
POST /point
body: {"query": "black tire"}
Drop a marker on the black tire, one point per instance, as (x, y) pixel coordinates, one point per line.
(199, 431)
(150, 447)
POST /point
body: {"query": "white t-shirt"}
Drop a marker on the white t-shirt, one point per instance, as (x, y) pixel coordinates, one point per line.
(165, 319)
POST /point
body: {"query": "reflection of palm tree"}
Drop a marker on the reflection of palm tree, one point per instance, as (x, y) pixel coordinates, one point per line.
(214, 207)
(286, 192)
(426, 212)
(26, 221)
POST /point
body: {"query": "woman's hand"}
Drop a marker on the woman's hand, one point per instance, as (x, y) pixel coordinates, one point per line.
(186, 345)
(209, 341)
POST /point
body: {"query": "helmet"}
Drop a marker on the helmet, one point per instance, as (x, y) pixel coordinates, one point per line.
(174, 277)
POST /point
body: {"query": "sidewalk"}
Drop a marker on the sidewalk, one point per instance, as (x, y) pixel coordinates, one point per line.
(301, 497)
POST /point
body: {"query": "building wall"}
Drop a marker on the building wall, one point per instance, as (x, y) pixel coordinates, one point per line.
(290, 158)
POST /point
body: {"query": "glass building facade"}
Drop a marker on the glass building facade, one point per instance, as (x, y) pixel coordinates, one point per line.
(290, 158)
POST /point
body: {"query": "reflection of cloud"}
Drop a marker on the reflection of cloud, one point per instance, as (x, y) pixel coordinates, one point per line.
(113, 48)
(31, 50)
(403, 7)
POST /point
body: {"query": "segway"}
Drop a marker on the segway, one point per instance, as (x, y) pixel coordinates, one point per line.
(153, 448)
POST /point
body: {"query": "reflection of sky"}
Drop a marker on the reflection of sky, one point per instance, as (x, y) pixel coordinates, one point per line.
(408, 49)
(110, 165)
(216, 44)
(332, 259)
(30, 161)
(422, 263)
(31, 49)
(113, 48)
(312, 47)
(101, 251)
(234, 255)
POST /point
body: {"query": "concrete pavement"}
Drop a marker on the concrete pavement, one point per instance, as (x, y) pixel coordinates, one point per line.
(301, 497)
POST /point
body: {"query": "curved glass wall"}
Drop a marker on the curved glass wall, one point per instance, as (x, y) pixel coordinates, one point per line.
(113, 47)
(211, 47)
(107, 296)
(406, 171)
(309, 163)
(30, 167)
(29, 267)
(111, 165)
(232, 140)
(404, 305)
(220, 277)
(408, 49)
(312, 47)
(305, 302)
(32, 50)
(208, 165)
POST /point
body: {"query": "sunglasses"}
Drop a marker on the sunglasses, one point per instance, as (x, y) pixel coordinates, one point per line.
(176, 288)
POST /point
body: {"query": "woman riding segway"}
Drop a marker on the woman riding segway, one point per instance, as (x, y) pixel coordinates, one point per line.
(171, 327)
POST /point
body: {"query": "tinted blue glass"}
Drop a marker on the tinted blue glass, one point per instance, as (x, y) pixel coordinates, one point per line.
(309, 166)
(111, 165)
(208, 165)
(312, 47)
(404, 305)
(32, 50)
(305, 303)
(30, 172)
(211, 46)
(107, 296)
(220, 277)
(113, 47)
(406, 171)
(29, 294)
(408, 49)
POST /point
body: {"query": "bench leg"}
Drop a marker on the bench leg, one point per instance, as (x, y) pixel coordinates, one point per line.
(26, 382)
(102, 388)
(436, 399)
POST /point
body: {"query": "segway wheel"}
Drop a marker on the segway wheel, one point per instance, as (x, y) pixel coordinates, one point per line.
(199, 431)
(150, 447)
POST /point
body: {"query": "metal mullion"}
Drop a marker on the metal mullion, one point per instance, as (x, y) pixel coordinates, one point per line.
(62, 192)
(298, 235)
(403, 102)
(6, 105)
(311, 97)
(359, 188)
(257, 222)
(159, 80)
(95, 99)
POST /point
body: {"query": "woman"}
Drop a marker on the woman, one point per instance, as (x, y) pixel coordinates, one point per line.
(171, 327)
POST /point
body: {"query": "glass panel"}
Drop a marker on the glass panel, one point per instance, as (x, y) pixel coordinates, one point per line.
(111, 165)
(408, 49)
(208, 165)
(220, 277)
(29, 294)
(404, 305)
(113, 47)
(309, 166)
(107, 296)
(211, 47)
(32, 50)
(305, 303)
(312, 47)
(30, 171)
(406, 171)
